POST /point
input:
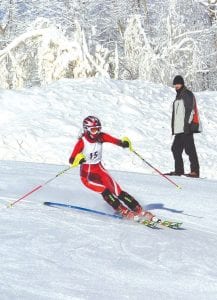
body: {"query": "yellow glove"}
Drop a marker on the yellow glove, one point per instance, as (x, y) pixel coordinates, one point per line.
(126, 143)
(79, 159)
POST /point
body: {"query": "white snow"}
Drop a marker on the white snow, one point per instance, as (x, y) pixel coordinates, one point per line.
(49, 253)
(42, 124)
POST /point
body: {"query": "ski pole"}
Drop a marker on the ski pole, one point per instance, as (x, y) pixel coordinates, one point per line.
(171, 181)
(38, 187)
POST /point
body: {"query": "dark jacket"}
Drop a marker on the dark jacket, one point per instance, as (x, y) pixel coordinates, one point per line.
(184, 110)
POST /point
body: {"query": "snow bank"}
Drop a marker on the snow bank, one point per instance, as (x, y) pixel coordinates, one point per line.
(42, 124)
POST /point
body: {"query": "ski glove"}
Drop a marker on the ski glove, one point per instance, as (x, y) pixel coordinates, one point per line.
(126, 143)
(78, 160)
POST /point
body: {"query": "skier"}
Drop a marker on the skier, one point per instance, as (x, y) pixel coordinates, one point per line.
(88, 153)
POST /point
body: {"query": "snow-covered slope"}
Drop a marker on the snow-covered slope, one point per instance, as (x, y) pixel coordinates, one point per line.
(42, 124)
(57, 254)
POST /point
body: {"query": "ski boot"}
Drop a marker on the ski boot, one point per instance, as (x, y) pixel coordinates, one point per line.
(128, 214)
(146, 215)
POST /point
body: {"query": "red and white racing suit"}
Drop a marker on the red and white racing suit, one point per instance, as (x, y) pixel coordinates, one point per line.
(93, 175)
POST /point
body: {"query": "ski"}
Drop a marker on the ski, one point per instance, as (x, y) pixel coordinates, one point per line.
(56, 204)
(161, 223)
(171, 224)
(150, 224)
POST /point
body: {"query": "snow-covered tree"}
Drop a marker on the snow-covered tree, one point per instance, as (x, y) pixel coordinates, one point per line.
(211, 6)
(153, 40)
(44, 54)
(186, 48)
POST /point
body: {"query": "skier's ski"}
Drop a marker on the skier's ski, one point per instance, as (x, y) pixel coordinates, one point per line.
(171, 224)
(150, 224)
(161, 223)
(56, 204)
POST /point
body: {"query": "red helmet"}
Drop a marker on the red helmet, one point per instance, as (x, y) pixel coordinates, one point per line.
(92, 124)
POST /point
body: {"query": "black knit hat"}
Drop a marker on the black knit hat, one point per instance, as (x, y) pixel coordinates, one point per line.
(178, 80)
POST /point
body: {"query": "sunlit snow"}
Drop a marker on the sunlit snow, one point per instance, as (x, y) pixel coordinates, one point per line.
(49, 253)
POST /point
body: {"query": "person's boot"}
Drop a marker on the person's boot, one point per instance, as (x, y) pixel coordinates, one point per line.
(126, 213)
(146, 214)
(193, 174)
(174, 173)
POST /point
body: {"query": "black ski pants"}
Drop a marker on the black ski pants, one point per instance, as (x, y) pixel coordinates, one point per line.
(185, 142)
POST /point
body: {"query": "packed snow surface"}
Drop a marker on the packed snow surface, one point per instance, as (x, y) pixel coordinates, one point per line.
(50, 253)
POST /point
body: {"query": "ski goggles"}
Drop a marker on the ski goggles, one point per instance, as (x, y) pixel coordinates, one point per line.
(94, 130)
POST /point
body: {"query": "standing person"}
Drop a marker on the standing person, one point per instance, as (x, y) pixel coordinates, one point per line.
(88, 153)
(185, 122)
